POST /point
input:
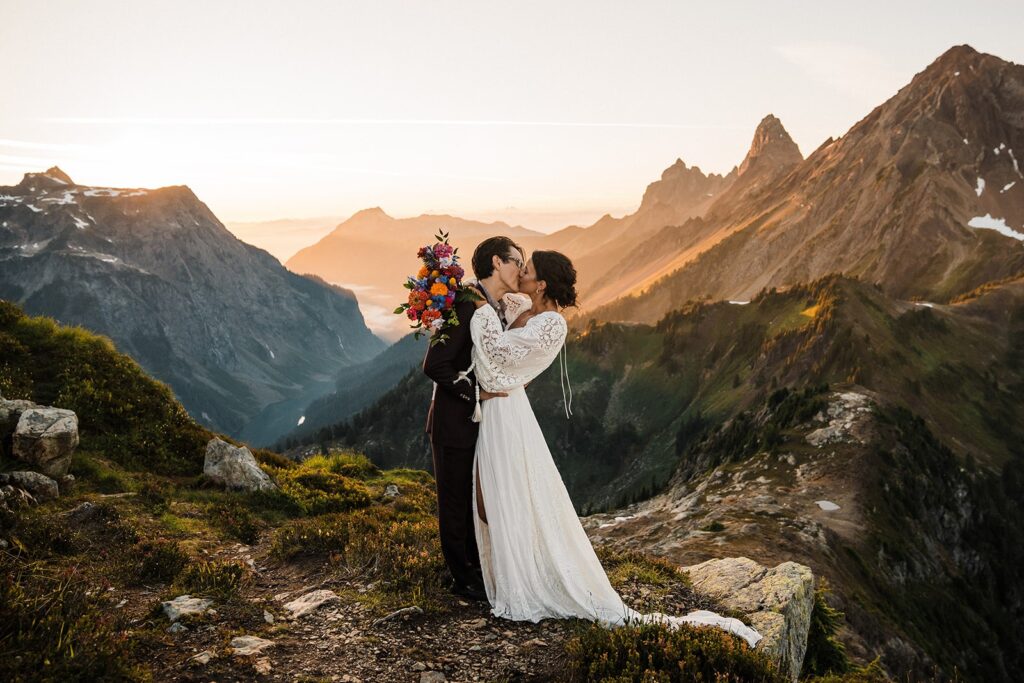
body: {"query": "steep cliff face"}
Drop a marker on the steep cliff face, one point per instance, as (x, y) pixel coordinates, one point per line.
(223, 323)
(924, 196)
(922, 549)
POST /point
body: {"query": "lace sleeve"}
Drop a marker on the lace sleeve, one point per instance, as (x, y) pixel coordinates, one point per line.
(515, 304)
(508, 348)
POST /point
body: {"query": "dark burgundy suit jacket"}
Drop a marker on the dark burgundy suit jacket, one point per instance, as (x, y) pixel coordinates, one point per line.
(449, 420)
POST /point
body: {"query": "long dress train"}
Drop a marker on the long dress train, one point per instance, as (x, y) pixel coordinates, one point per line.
(536, 558)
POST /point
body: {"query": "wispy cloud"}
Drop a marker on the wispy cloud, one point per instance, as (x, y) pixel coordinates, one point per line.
(850, 69)
(231, 121)
(47, 146)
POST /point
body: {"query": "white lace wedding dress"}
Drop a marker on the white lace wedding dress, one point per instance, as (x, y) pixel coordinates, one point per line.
(536, 558)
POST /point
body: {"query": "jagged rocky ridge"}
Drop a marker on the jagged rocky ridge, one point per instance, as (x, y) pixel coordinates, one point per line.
(924, 196)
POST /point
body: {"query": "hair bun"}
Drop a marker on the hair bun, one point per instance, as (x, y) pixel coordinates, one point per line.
(559, 276)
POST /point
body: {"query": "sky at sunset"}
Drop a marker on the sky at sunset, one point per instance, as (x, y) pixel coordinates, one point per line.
(541, 113)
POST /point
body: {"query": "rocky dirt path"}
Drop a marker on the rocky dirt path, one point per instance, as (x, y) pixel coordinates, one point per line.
(256, 636)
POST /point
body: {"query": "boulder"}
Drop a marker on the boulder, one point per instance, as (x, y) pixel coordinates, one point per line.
(46, 439)
(10, 413)
(235, 468)
(311, 602)
(777, 601)
(183, 605)
(39, 485)
(244, 646)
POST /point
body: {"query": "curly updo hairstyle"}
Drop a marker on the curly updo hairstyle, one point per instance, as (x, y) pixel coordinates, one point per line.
(558, 273)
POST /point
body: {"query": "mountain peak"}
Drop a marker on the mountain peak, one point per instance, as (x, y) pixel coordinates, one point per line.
(771, 149)
(55, 172)
(958, 55)
(50, 178)
(372, 212)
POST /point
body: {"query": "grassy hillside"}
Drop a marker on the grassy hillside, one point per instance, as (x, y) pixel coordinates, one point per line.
(132, 419)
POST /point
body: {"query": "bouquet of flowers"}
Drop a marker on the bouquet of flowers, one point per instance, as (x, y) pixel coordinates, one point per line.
(435, 289)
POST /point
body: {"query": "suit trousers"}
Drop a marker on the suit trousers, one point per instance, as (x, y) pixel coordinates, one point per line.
(453, 472)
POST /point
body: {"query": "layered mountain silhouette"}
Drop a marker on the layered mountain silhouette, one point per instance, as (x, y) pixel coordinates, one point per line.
(374, 253)
(924, 196)
(222, 322)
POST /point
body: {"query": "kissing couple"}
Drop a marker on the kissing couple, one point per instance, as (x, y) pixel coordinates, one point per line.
(509, 532)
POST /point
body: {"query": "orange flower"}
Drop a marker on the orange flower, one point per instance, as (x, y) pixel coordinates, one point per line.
(439, 290)
(423, 272)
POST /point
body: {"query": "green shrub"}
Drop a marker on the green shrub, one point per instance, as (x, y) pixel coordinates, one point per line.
(53, 628)
(317, 492)
(235, 519)
(650, 652)
(376, 543)
(319, 535)
(220, 579)
(158, 561)
(348, 464)
(268, 457)
(825, 654)
(40, 535)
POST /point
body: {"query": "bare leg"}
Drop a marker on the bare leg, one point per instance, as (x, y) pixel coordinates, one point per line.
(479, 498)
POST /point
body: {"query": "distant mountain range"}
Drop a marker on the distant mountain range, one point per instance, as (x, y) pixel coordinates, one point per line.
(924, 196)
(222, 322)
(284, 236)
(373, 253)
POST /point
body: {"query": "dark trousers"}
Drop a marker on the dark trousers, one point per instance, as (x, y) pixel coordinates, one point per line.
(453, 472)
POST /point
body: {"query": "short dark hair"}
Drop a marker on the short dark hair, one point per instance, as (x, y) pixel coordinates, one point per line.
(483, 266)
(558, 274)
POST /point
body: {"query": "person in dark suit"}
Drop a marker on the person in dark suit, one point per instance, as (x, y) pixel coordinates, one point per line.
(497, 264)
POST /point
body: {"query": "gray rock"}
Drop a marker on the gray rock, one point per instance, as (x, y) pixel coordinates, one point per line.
(244, 646)
(432, 677)
(391, 491)
(13, 498)
(10, 413)
(311, 602)
(845, 414)
(39, 485)
(46, 438)
(177, 627)
(777, 601)
(183, 605)
(81, 513)
(202, 658)
(235, 468)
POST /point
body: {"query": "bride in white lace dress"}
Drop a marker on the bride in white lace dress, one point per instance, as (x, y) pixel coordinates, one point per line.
(536, 558)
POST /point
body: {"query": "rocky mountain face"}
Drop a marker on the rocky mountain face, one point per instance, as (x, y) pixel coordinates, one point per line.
(920, 550)
(673, 227)
(220, 321)
(924, 196)
(682, 193)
